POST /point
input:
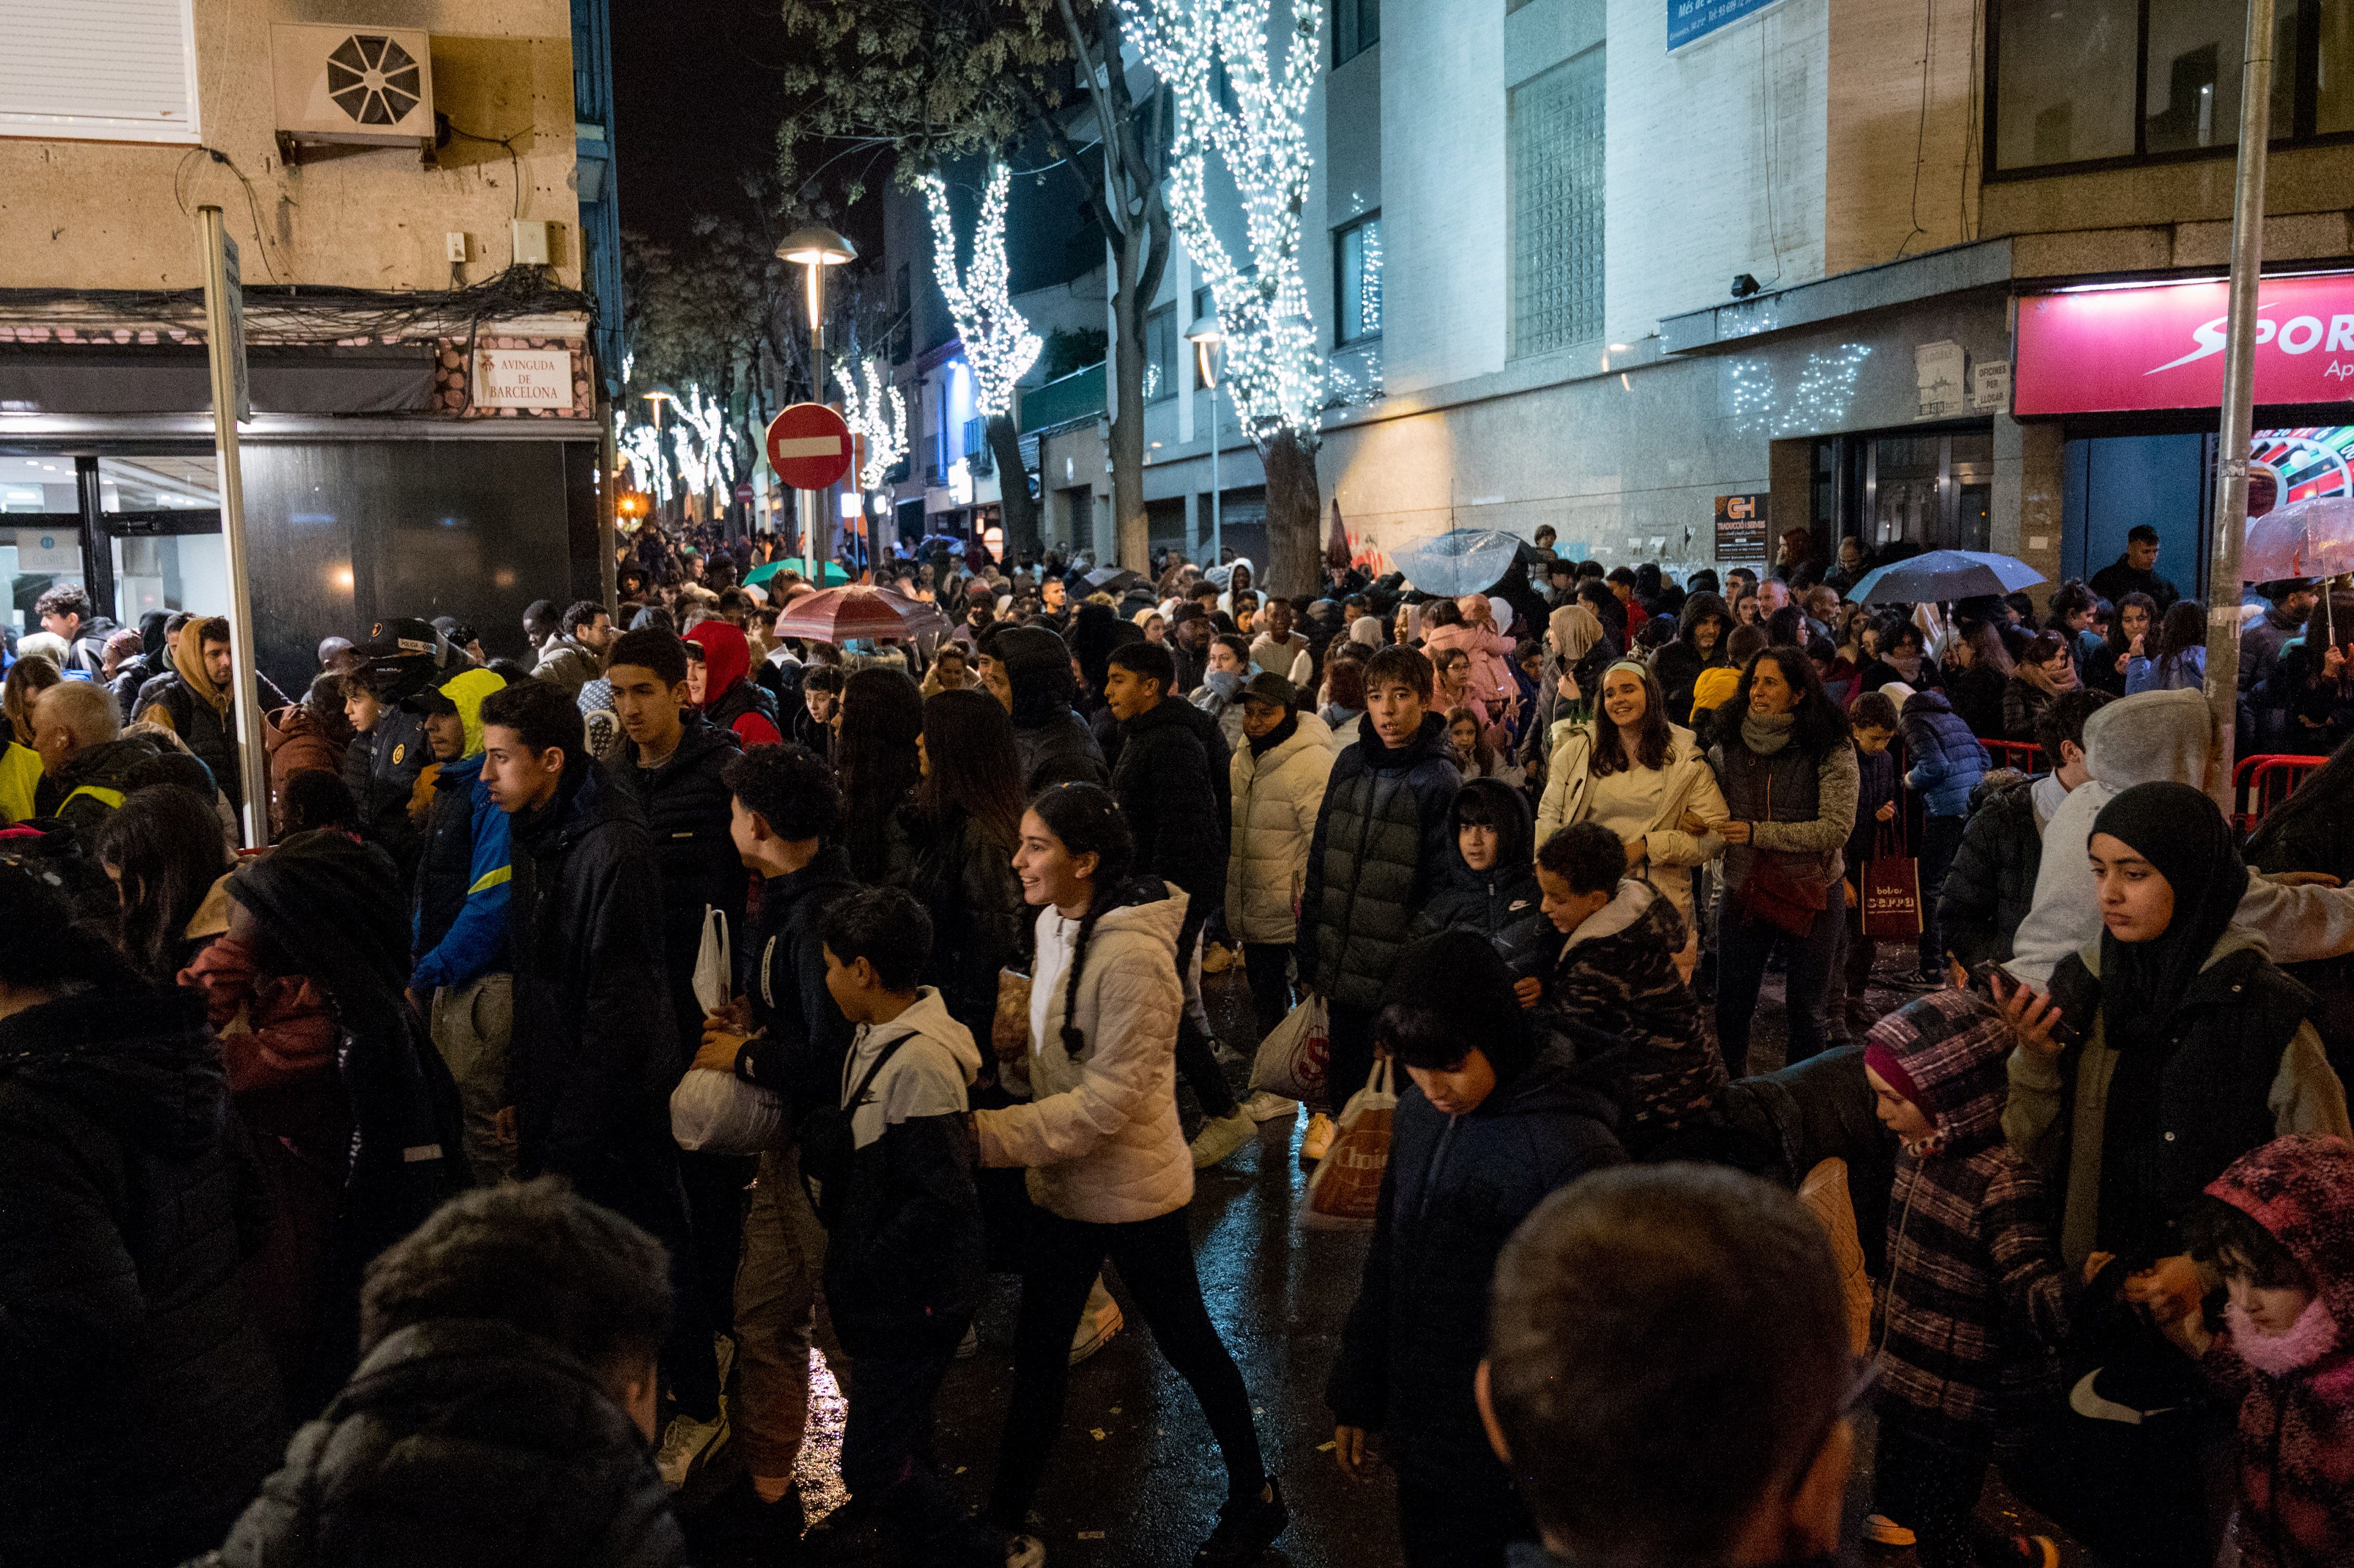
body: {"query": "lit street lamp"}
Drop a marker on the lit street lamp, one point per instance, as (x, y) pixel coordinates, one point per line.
(1206, 334)
(815, 248)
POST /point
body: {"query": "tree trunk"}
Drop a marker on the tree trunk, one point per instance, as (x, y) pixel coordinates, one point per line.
(1295, 512)
(1131, 531)
(1017, 514)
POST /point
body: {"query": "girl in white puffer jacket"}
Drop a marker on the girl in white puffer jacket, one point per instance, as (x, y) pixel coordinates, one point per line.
(1110, 1174)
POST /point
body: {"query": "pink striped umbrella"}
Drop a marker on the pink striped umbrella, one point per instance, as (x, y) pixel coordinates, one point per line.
(843, 614)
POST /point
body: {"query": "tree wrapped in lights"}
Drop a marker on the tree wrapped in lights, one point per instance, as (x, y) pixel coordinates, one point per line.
(999, 345)
(641, 449)
(879, 413)
(1273, 368)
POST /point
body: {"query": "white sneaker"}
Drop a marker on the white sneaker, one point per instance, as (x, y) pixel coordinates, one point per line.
(685, 1444)
(1882, 1531)
(1097, 1323)
(1025, 1552)
(1317, 1140)
(1222, 1137)
(1266, 1105)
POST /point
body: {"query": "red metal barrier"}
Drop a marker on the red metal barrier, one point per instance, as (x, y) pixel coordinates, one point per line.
(2259, 783)
(2027, 755)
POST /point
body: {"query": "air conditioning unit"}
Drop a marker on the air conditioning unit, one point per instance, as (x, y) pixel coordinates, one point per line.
(358, 85)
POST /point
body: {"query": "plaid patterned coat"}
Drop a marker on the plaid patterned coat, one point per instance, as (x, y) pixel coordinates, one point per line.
(1976, 1296)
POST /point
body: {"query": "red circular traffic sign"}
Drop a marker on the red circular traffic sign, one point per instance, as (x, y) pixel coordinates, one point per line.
(809, 445)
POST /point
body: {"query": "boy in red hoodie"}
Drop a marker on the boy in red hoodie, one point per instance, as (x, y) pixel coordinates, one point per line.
(2278, 1226)
(1977, 1294)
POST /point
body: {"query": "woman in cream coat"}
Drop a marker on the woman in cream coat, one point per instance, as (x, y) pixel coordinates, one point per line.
(1645, 779)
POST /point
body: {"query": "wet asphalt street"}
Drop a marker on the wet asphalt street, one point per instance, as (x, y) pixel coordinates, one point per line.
(1135, 1478)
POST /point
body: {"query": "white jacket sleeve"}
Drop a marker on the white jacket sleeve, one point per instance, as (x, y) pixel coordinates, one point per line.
(1673, 845)
(2298, 923)
(2067, 909)
(1136, 1011)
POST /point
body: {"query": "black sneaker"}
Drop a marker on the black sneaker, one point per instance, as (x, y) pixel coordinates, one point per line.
(1246, 1530)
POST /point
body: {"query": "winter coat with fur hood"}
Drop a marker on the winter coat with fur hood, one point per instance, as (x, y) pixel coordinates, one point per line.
(2295, 1390)
(1617, 972)
(1100, 1133)
(1275, 797)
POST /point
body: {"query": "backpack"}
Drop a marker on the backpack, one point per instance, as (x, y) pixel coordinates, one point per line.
(829, 1142)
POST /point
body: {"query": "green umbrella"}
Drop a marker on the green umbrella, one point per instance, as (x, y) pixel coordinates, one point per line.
(834, 575)
(762, 573)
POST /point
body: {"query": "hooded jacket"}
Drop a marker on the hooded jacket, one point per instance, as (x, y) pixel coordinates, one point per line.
(905, 1260)
(1617, 974)
(1384, 833)
(1975, 1295)
(1173, 802)
(1099, 1133)
(1275, 795)
(297, 743)
(689, 814)
(142, 1407)
(1947, 760)
(1992, 885)
(2139, 740)
(186, 702)
(595, 1051)
(1781, 1125)
(730, 700)
(2295, 1390)
(1502, 903)
(1490, 654)
(566, 661)
(1679, 664)
(465, 873)
(1455, 1189)
(94, 783)
(1052, 742)
(469, 1443)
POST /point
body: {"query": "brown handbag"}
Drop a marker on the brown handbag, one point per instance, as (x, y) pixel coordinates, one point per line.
(1774, 893)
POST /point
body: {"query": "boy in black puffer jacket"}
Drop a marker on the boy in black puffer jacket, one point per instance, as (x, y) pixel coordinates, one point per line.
(1615, 973)
(501, 1413)
(1496, 1119)
(1492, 888)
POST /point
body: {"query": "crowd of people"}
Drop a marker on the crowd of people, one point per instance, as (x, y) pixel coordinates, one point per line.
(457, 1169)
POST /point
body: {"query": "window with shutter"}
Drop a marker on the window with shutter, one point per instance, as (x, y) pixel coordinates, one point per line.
(110, 71)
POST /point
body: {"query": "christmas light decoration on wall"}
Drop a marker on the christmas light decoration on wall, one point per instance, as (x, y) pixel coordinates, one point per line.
(998, 342)
(879, 413)
(1235, 102)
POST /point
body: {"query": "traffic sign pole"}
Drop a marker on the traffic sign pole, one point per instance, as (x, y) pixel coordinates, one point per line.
(809, 445)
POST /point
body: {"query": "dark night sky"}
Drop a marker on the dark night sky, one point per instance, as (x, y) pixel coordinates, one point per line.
(696, 103)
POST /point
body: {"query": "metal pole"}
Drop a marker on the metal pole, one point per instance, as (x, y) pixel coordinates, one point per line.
(221, 350)
(813, 523)
(2238, 399)
(1217, 495)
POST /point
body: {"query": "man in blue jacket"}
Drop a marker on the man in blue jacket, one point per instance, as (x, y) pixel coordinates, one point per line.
(461, 980)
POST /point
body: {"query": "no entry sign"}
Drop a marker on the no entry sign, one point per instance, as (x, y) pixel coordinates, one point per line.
(809, 445)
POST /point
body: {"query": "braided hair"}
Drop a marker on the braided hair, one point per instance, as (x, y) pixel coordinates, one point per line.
(1089, 821)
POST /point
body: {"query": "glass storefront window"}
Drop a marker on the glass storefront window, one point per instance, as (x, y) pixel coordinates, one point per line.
(166, 537)
(2333, 70)
(40, 532)
(2064, 81)
(2195, 66)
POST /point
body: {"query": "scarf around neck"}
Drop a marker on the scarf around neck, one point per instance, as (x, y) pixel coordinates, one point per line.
(1767, 733)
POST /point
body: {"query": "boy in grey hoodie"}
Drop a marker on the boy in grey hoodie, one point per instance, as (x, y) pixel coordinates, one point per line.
(906, 1256)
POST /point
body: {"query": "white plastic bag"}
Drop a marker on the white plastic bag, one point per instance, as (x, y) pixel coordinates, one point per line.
(711, 1111)
(1292, 1060)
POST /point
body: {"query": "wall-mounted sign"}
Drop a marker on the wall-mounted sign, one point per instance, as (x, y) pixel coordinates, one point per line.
(1689, 21)
(2162, 348)
(46, 550)
(523, 378)
(1991, 386)
(1741, 530)
(1940, 375)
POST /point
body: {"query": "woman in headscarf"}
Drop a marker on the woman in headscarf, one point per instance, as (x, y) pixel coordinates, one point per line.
(2168, 1047)
(1577, 649)
(1699, 645)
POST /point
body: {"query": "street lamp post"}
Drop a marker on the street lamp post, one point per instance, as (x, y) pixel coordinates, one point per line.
(1206, 334)
(815, 248)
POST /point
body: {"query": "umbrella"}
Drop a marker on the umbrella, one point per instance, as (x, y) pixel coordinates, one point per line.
(1943, 575)
(763, 572)
(843, 614)
(2309, 538)
(1114, 579)
(1461, 561)
(1336, 541)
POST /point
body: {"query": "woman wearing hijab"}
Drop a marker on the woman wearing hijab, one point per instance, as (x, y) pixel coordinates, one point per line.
(729, 698)
(2169, 1046)
(1578, 648)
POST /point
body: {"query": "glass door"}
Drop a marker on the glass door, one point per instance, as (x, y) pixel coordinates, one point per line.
(162, 519)
(40, 533)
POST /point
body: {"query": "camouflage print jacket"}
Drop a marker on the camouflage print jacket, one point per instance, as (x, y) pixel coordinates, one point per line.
(1616, 973)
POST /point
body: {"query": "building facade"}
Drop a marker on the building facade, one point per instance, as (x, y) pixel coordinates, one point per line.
(425, 227)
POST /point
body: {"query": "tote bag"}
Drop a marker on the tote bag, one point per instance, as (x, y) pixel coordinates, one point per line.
(1892, 891)
(1292, 1059)
(1346, 1190)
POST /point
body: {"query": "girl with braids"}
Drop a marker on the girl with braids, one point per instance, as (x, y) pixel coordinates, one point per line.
(1110, 1174)
(142, 1409)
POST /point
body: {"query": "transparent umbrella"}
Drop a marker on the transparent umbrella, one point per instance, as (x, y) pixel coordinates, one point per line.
(1938, 574)
(2310, 538)
(1460, 561)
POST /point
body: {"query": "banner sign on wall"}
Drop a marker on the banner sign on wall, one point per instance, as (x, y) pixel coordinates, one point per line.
(2092, 350)
(1689, 21)
(1741, 530)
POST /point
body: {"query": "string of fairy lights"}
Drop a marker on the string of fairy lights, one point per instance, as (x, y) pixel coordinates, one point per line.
(999, 345)
(1235, 102)
(877, 412)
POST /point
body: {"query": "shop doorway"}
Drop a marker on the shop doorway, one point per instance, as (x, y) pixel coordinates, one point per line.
(1905, 492)
(2110, 484)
